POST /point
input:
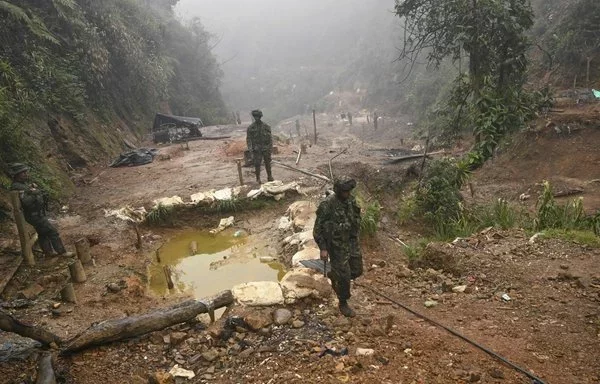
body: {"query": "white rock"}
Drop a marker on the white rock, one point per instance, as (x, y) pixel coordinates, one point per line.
(258, 294)
(365, 352)
(224, 194)
(284, 224)
(305, 254)
(300, 283)
(303, 215)
(223, 224)
(202, 197)
(168, 201)
(459, 289)
(177, 371)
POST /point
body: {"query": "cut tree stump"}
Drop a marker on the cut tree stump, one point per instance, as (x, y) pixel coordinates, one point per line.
(45, 372)
(10, 324)
(67, 294)
(82, 247)
(114, 330)
(77, 272)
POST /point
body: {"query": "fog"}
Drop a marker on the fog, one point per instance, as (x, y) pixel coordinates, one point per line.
(283, 55)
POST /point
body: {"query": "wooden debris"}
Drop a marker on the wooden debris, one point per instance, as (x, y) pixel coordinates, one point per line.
(413, 157)
(67, 294)
(10, 324)
(315, 175)
(568, 192)
(121, 329)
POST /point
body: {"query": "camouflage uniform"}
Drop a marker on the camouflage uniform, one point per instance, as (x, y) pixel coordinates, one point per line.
(337, 230)
(33, 203)
(260, 142)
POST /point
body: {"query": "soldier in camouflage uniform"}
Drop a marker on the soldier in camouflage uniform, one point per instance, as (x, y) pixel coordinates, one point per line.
(33, 203)
(260, 143)
(336, 232)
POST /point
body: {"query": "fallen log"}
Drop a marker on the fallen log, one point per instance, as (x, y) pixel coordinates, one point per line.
(413, 157)
(10, 324)
(315, 175)
(120, 329)
(45, 372)
(202, 139)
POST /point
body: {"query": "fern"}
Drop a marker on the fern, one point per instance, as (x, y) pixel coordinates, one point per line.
(33, 22)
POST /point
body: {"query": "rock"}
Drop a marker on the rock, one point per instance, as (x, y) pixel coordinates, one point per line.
(564, 266)
(211, 369)
(430, 303)
(264, 332)
(177, 338)
(260, 293)
(459, 289)
(447, 286)
(404, 272)
(298, 324)
(113, 288)
(161, 378)
(474, 377)
(497, 374)
(210, 355)
(285, 224)
(246, 352)
(30, 292)
(167, 339)
(267, 259)
(364, 352)
(301, 283)
(259, 319)
(305, 254)
(282, 316)
(303, 215)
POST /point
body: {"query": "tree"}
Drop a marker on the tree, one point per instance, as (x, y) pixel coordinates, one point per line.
(490, 32)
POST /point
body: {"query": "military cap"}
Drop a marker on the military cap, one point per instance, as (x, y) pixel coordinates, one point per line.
(257, 112)
(16, 168)
(344, 183)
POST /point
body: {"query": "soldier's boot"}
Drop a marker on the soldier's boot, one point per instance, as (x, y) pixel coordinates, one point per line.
(46, 246)
(269, 174)
(346, 310)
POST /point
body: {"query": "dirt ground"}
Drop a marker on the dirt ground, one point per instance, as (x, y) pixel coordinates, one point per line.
(550, 326)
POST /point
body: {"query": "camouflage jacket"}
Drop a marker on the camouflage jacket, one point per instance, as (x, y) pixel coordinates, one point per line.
(259, 137)
(33, 200)
(337, 223)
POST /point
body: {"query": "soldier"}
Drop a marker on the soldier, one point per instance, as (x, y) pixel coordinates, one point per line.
(336, 232)
(260, 143)
(34, 202)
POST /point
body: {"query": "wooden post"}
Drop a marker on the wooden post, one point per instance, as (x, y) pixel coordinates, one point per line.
(24, 238)
(82, 247)
(45, 372)
(240, 174)
(67, 294)
(375, 122)
(315, 124)
(77, 272)
(193, 248)
(167, 271)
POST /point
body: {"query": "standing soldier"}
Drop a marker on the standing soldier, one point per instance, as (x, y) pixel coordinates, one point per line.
(260, 143)
(34, 203)
(349, 117)
(336, 232)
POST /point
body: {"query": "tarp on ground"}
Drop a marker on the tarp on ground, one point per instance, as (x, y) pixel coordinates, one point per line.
(140, 156)
(596, 93)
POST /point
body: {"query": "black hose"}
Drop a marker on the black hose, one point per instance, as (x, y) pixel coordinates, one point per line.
(536, 380)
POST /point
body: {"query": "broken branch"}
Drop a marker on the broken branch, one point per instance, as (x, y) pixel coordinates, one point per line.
(320, 177)
(10, 324)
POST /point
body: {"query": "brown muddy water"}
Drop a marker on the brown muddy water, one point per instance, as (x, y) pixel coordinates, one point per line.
(220, 262)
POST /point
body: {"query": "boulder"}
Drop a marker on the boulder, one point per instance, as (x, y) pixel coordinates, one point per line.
(301, 283)
(305, 254)
(303, 215)
(258, 294)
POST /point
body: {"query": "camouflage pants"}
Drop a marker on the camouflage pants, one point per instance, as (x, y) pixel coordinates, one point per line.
(346, 265)
(48, 236)
(258, 159)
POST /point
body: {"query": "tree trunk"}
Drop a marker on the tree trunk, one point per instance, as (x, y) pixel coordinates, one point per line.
(77, 272)
(120, 329)
(10, 324)
(67, 294)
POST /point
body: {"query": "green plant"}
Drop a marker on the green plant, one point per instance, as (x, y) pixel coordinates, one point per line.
(582, 237)
(414, 252)
(160, 215)
(553, 216)
(407, 209)
(371, 215)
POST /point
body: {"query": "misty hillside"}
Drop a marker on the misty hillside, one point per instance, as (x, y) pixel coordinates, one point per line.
(78, 77)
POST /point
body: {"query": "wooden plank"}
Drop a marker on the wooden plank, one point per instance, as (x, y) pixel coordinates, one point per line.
(24, 232)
